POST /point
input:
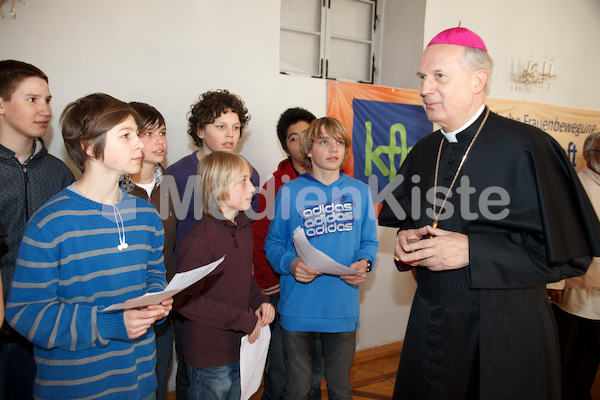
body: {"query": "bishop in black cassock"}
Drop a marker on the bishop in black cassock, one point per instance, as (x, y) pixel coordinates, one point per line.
(481, 326)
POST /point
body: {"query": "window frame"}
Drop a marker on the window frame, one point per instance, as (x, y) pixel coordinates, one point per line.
(325, 36)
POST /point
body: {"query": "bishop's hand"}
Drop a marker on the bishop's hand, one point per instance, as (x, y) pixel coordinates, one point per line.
(402, 247)
(443, 250)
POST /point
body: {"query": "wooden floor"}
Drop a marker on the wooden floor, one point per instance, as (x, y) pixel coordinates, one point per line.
(373, 375)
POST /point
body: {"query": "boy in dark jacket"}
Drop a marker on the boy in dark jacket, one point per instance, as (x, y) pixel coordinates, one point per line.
(29, 176)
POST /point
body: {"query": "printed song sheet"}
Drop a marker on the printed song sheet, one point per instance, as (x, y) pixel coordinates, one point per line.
(252, 362)
(315, 258)
(179, 282)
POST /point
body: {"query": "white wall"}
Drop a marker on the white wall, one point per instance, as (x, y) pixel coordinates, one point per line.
(513, 30)
(167, 53)
(399, 58)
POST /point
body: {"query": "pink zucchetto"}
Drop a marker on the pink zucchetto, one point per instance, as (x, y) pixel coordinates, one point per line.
(459, 36)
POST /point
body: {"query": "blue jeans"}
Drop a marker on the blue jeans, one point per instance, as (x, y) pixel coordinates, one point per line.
(338, 354)
(274, 379)
(164, 353)
(215, 383)
(17, 368)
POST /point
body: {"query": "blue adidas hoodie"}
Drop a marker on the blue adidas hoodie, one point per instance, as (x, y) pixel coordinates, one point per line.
(338, 219)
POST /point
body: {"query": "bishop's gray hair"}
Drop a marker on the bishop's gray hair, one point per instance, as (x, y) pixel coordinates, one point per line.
(476, 59)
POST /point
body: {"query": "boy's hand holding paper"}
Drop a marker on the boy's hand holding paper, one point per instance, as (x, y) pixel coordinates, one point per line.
(179, 282)
(318, 261)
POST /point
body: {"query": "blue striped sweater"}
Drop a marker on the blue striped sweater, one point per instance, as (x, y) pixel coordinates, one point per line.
(69, 269)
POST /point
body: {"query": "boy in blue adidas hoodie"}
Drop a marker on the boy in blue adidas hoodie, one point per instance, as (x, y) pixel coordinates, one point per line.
(338, 218)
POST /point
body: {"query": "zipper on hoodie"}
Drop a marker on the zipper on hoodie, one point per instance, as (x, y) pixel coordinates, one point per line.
(26, 178)
(37, 147)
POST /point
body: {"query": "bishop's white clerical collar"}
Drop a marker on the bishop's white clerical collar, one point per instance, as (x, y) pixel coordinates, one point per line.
(451, 136)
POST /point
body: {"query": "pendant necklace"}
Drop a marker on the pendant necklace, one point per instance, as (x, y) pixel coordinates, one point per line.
(406, 267)
(437, 167)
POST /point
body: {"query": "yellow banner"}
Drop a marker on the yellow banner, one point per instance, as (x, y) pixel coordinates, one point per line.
(568, 126)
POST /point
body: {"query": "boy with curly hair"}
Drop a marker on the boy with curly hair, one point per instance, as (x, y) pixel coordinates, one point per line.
(215, 123)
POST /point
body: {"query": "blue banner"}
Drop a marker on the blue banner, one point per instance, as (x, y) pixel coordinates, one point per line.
(383, 134)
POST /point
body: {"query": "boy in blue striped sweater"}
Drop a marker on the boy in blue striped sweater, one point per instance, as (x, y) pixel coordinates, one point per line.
(90, 246)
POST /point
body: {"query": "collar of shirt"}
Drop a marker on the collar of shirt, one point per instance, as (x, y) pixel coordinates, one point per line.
(451, 136)
(593, 175)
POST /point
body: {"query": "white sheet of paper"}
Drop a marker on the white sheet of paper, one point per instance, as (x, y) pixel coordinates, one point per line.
(315, 258)
(179, 282)
(252, 362)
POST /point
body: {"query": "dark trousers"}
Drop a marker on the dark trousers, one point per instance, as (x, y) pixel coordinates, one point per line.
(580, 352)
(17, 368)
(338, 354)
(164, 353)
(274, 379)
(182, 382)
